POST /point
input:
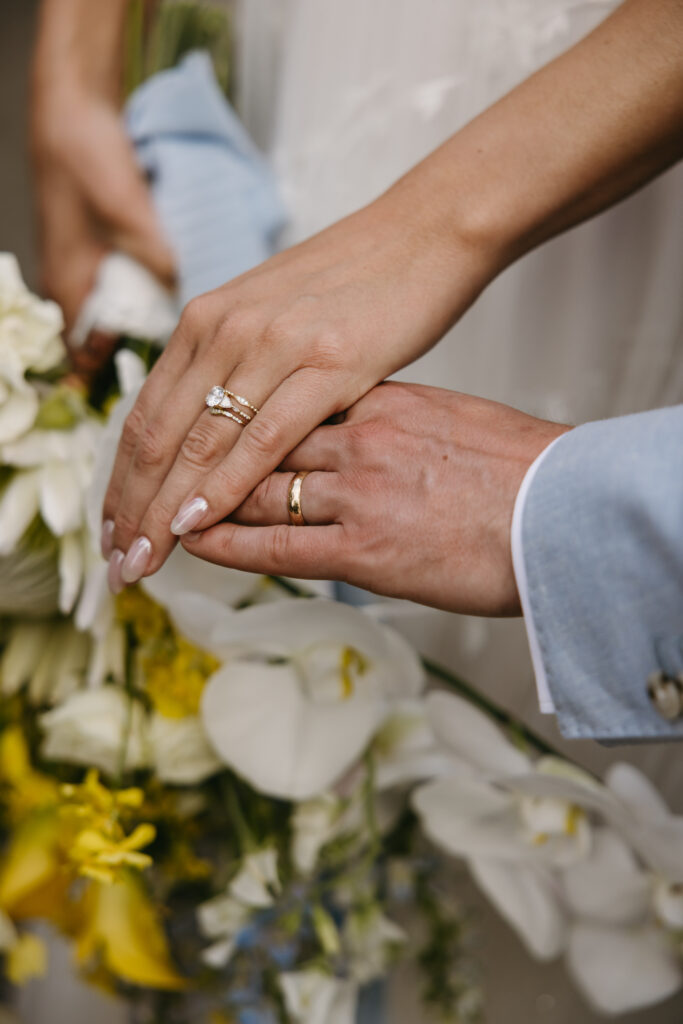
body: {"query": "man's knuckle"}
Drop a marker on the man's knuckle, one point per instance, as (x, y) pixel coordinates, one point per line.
(278, 546)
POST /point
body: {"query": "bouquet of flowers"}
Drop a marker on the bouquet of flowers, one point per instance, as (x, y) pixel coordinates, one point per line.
(222, 790)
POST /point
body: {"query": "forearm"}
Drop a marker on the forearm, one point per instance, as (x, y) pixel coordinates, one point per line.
(576, 137)
(79, 47)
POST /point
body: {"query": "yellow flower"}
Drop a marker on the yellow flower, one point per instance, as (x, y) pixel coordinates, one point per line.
(97, 845)
(27, 789)
(148, 619)
(26, 959)
(124, 935)
(175, 683)
(100, 857)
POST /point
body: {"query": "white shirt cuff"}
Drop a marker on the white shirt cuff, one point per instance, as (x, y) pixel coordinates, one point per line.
(545, 699)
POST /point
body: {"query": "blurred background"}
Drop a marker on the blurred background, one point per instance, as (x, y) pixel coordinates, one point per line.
(590, 326)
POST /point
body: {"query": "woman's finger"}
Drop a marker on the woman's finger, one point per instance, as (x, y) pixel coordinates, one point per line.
(308, 552)
(176, 457)
(301, 402)
(268, 504)
(141, 429)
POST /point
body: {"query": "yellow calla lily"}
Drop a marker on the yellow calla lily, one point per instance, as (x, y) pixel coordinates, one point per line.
(123, 933)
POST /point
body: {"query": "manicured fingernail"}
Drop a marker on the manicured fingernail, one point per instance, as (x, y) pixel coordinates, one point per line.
(114, 572)
(107, 538)
(189, 515)
(137, 560)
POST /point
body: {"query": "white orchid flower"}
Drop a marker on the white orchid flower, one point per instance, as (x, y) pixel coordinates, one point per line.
(101, 728)
(312, 997)
(313, 824)
(30, 332)
(490, 815)
(180, 751)
(304, 687)
(629, 803)
(513, 840)
(619, 954)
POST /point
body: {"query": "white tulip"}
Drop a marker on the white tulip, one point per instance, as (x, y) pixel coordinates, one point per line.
(307, 686)
(96, 728)
(312, 997)
(180, 752)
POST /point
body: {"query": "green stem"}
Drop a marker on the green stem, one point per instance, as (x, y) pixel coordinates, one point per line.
(245, 837)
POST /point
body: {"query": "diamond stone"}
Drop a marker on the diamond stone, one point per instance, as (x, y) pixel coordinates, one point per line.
(215, 397)
(226, 402)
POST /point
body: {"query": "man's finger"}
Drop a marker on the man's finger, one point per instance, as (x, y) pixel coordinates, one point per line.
(307, 552)
(268, 504)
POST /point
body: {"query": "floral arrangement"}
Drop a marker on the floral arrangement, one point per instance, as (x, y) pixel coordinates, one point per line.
(234, 798)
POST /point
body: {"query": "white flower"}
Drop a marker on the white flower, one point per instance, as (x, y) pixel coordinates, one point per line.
(372, 941)
(29, 340)
(50, 657)
(312, 997)
(257, 880)
(180, 751)
(405, 749)
(307, 686)
(221, 919)
(94, 728)
(52, 472)
(618, 953)
(314, 823)
(512, 840)
(126, 300)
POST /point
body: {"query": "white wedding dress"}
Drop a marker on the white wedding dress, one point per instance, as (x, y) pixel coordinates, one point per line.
(345, 95)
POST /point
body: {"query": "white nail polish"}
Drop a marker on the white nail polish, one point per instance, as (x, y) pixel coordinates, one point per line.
(107, 538)
(189, 515)
(137, 560)
(114, 572)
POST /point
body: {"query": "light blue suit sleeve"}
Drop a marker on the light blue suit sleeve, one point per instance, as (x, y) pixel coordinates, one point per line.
(602, 543)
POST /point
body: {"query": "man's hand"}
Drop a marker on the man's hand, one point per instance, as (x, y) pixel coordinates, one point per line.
(411, 496)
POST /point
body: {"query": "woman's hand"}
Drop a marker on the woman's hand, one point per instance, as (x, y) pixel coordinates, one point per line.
(411, 496)
(90, 193)
(302, 337)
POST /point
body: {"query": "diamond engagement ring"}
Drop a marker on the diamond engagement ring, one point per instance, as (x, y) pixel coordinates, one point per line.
(221, 402)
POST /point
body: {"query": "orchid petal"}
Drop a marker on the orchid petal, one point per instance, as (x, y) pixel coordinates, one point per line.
(472, 736)
(286, 745)
(620, 970)
(70, 570)
(608, 887)
(527, 898)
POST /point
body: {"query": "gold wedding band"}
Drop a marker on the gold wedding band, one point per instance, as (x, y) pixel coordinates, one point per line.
(296, 515)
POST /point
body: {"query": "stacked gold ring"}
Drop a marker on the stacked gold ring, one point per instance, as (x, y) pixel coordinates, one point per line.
(222, 402)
